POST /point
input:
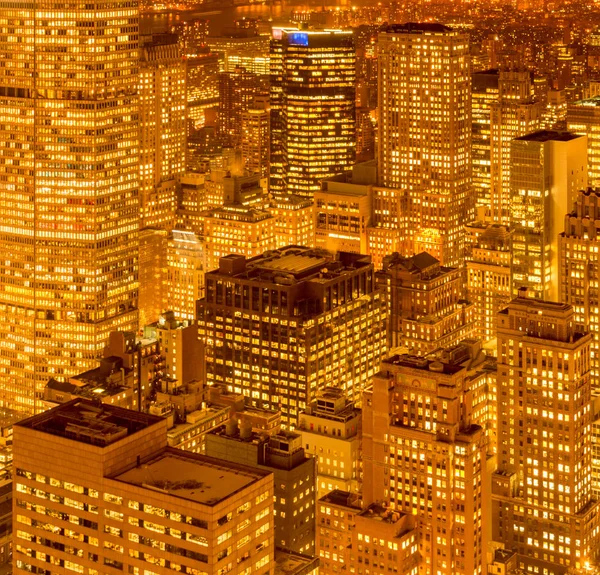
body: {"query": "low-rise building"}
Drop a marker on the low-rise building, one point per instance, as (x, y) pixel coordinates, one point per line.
(331, 433)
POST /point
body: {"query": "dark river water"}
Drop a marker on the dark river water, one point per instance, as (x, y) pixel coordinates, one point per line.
(220, 18)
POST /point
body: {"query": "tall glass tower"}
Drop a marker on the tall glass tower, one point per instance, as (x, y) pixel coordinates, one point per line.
(69, 214)
(313, 94)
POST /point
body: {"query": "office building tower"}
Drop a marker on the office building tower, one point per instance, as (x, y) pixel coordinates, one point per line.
(350, 536)
(331, 432)
(365, 134)
(192, 202)
(583, 118)
(547, 170)
(242, 225)
(237, 91)
(186, 263)
(153, 250)
(425, 456)
(163, 115)
(485, 93)
(515, 114)
(554, 117)
(294, 221)
(542, 489)
(425, 127)
(312, 108)
(342, 214)
(241, 47)
(579, 270)
(97, 490)
(281, 327)
(294, 477)
(255, 134)
(202, 86)
(237, 229)
(191, 36)
(427, 308)
(69, 212)
(489, 276)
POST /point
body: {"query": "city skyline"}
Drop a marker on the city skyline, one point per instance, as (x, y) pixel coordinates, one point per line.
(300, 290)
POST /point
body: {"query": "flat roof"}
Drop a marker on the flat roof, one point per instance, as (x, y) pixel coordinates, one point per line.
(290, 563)
(549, 136)
(90, 422)
(197, 478)
(594, 101)
(295, 263)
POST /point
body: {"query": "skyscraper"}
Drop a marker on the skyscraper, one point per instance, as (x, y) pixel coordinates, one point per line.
(488, 275)
(69, 216)
(541, 492)
(283, 326)
(163, 113)
(514, 114)
(255, 134)
(547, 170)
(424, 455)
(579, 253)
(583, 117)
(425, 127)
(427, 307)
(312, 108)
(484, 94)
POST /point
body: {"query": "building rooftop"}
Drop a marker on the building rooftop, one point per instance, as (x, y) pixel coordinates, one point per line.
(503, 556)
(90, 422)
(595, 101)
(380, 513)
(290, 563)
(548, 136)
(422, 363)
(342, 499)
(192, 477)
(291, 264)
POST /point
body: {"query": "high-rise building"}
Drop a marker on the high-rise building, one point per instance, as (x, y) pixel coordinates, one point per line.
(583, 117)
(427, 308)
(542, 490)
(294, 221)
(163, 116)
(186, 263)
(192, 203)
(485, 92)
(579, 261)
(242, 47)
(242, 225)
(153, 248)
(202, 85)
(514, 114)
(425, 455)
(547, 170)
(331, 433)
(350, 536)
(342, 214)
(69, 181)
(237, 91)
(97, 490)
(312, 108)
(489, 275)
(294, 474)
(281, 327)
(425, 127)
(255, 134)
